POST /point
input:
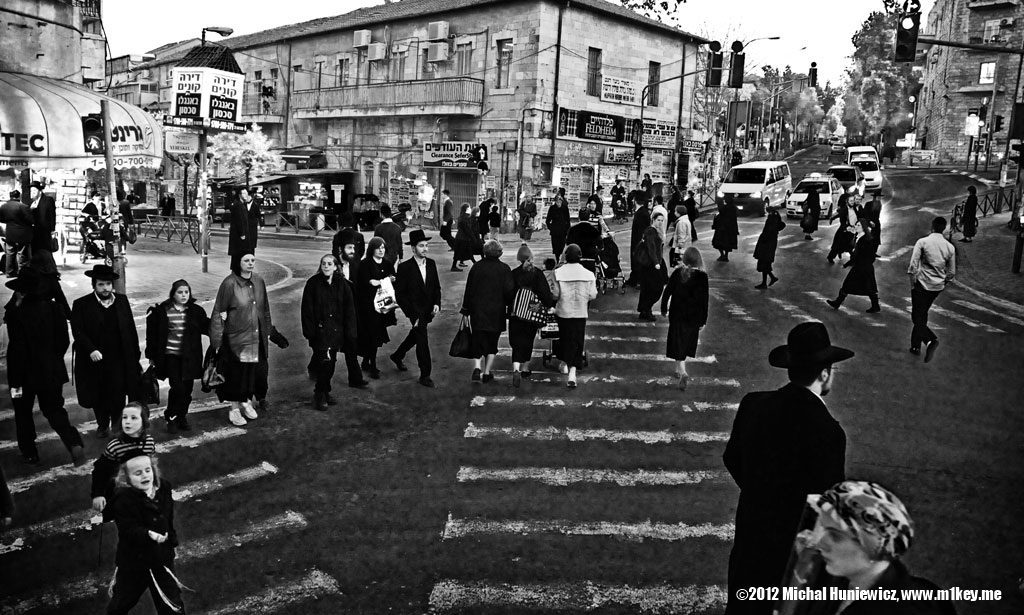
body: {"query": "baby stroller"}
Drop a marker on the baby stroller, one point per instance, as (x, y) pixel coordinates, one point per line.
(609, 271)
(620, 209)
(94, 241)
(549, 331)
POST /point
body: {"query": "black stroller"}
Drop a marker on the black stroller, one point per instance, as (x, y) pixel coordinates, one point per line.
(95, 238)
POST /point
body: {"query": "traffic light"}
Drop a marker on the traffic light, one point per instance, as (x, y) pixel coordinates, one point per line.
(1018, 155)
(906, 37)
(736, 70)
(812, 75)
(999, 124)
(982, 115)
(714, 76)
(92, 133)
(638, 152)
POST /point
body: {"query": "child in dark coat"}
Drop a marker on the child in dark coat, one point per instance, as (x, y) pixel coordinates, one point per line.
(143, 510)
(134, 440)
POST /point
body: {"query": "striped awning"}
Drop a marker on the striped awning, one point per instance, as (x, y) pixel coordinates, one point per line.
(41, 127)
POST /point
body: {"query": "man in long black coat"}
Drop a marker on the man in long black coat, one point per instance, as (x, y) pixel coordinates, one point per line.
(18, 233)
(44, 222)
(347, 230)
(557, 221)
(38, 338)
(391, 233)
(106, 350)
(244, 227)
(641, 220)
(784, 445)
(418, 292)
(349, 263)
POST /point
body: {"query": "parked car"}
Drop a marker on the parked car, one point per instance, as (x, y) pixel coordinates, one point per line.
(828, 188)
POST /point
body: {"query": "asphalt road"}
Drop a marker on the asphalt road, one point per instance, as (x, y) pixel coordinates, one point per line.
(473, 498)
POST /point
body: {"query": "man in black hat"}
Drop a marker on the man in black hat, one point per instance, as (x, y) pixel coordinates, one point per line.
(44, 222)
(347, 230)
(784, 446)
(243, 231)
(38, 338)
(106, 350)
(418, 292)
(18, 233)
(349, 269)
(391, 233)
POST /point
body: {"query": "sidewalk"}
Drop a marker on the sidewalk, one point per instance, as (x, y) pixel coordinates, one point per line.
(984, 264)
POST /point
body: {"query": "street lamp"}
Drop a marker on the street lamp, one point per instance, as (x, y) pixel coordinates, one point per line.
(216, 30)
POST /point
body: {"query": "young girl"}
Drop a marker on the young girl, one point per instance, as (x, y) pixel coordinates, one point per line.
(494, 221)
(144, 513)
(687, 291)
(134, 440)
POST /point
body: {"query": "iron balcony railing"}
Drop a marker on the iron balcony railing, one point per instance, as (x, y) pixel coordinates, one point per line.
(430, 92)
(261, 105)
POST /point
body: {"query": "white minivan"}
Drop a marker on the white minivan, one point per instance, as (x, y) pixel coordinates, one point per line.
(755, 186)
(865, 158)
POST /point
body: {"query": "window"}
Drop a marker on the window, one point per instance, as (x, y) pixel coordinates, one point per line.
(273, 75)
(991, 33)
(426, 67)
(653, 76)
(368, 177)
(361, 63)
(988, 72)
(398, 65)
(464, 58)
(257, 75)
(383, 180)
(504, 63)
(343, 73)
(594, 72)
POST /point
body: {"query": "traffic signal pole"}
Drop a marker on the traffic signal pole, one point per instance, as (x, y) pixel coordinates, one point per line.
(117, 258)
(204, 205)
(639, 139)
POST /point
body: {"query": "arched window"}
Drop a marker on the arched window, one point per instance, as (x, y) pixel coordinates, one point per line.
(384, 182)
(368, 177)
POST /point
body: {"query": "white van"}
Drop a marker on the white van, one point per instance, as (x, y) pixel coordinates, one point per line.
(755, 186)
(865, 158)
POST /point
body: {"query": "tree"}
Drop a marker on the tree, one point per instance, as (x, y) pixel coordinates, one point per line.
(665, 11)
(245, 155)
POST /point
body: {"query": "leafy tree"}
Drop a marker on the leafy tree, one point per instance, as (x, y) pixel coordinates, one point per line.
(665, 11)
(246, 155)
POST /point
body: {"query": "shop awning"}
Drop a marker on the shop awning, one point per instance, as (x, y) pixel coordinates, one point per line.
(41, 127)
(296, 154)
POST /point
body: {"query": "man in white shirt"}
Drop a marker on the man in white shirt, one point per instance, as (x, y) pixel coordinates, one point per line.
(932, 266)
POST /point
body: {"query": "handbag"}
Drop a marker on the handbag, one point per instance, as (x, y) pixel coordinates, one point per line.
(149, 387)
(212, 378)
(641, 256)
(550, 329)
(54, 242)
(462, 345)
(384, 301)
(527, 307)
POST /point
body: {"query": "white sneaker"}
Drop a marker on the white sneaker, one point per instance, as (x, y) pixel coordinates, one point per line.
(249, 411)
(235, 416)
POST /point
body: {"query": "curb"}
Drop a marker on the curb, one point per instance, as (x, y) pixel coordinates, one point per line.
(1016, 308)
(987, 182)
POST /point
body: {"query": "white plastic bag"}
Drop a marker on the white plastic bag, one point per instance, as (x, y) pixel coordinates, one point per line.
(385, 301)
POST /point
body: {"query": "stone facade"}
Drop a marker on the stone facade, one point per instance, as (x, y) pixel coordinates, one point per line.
(957, 80)
(52, 38)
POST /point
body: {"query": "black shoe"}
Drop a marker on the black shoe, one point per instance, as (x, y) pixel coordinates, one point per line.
(373, 372)
(929, 352)
(426, 381)
(476, 377)
(517, 379)
(183, 424)
(361, 384)
(319, 402)
(915, 351)
(488, 377)
(775, 279)
(648, 318)
(77, 455)
(761, 286)
(874, 309)
(171, 425)
(722, 259)
(835, 304)
(398, 363)
(32, 460)
(831, 261)
(454, 268)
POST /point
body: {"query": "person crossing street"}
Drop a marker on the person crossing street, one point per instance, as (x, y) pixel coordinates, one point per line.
(932, 266)
(418, 291)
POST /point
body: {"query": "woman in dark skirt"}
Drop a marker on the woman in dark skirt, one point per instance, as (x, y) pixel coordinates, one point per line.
(489, 291)
(727, 230)
(467, 238)
(576, 288)
(373, 325)
(522, 333)
(652, 275)
(687, 291)
(861, 279)
(767, 243)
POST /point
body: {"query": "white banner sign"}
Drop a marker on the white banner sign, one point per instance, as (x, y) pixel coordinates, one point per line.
(618, 90)
(202, 93)
(181, 142)
(658, 133)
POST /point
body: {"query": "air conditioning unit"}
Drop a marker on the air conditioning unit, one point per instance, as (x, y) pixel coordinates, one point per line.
(361, 38)
(995, 39)
(437, 52)
(376, 51)
(437, 31)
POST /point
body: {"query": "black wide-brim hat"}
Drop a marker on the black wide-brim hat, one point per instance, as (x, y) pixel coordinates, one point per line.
(417, 236)
(808, 345)
(351, 236)
(28, 281)
(104, 273)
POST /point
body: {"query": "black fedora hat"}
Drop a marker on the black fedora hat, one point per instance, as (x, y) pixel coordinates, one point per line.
(351, 236)
(417, 236)
(104, 273)
(36, 185)
(808, 345)
(28, 281)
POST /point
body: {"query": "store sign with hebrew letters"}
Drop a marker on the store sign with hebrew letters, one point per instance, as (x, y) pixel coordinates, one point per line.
(205, 97)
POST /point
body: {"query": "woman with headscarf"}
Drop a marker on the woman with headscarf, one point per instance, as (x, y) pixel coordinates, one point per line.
(767, 243)
(577, 287)
(861, 534)
(845, 236)
(328, 316)
(467, 238)
(970, 216)
(652, 272)
(861, 279)
(521, 333)
(489, 290)
(727, 230)
(687, 291)
(812, 213)
(373, 325)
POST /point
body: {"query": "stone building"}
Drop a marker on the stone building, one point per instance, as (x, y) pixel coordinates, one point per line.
(59, 39)
(957, 81)
(551, 90)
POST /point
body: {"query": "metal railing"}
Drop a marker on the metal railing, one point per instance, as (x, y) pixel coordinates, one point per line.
(259, 105)
(446, 91)
(184, 228)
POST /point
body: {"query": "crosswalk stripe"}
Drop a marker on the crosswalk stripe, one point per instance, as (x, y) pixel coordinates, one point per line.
(791, 309)
(896, 254)
(314, 585)
(609, 338)
(616, 323)
(695, 380)
(868, 321)
(611, 378)
(613, 356)
(970, 322)
(906, 207)
(67, 470)
(562, 477)
(453, 595)
(551, 433)
(732, 307)
(614, 403)
(90, 585)
(802, 242)
(634, 532)
(980, 308)
(17, 539)
(6, 415)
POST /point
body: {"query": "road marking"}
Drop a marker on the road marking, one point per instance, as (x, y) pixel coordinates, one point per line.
(196, 408)
(732, 307)
(896, 254)
(571, 434)
(208, 546)
(906, 207)
(868, 321)
(561, 477)
(970, 322)
(16, 539)
(66, 470)
(614, 323)
(791, 309)
(6, 415)
(802, 242)
(660, 381)
(750, 236)
(646, 357)
(314, 585)
(697, 380)
(632, 532)
(981, 308)
(586, 596)
(612, 403)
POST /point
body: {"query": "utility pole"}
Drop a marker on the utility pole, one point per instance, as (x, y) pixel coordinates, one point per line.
(117, 258)
(204, 205)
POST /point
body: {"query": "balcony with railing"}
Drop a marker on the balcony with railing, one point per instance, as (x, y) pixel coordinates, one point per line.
(90, 9)
(262, 109)
(447, 96)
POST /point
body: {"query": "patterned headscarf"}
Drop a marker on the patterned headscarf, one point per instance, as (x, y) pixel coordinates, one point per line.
(875, 516)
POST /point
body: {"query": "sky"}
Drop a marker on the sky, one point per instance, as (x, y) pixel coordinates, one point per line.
(809, 30)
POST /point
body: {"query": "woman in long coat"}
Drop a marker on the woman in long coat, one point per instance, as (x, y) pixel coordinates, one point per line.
(328, 315)
(727, 230)
(861, 279)
(970, 217)
(522, 333)
(812, 213)
(845, 236)
(489, 290)
(653, 275)
(687, 292)
(373, 325)
(243, 228)
(767, 243)
(467, 238)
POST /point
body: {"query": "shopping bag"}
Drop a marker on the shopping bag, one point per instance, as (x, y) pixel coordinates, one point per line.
(149, 387)
(527, 307)
(550, 329)
(462, 345)
(212, 378)
(385, 301)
